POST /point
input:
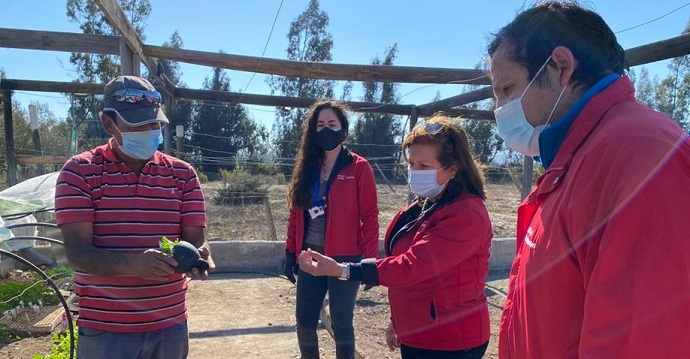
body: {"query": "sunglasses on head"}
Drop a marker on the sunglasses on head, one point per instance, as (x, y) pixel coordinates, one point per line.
(135, 95)
(431, 128)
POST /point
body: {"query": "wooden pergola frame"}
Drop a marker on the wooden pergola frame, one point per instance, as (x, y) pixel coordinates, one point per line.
(132, 50)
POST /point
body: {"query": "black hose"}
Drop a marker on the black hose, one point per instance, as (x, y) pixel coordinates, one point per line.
(36, 224)
(57, 291)
(13, 216)
(37, 238)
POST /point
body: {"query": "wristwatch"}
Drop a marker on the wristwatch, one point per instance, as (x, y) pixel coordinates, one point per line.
(345, 275)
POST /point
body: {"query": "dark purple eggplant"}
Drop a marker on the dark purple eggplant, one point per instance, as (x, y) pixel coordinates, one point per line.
(188, 257)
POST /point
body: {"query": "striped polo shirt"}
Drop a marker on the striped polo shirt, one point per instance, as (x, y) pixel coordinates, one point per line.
(130, 213)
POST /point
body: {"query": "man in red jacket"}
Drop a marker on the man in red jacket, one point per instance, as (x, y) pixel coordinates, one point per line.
(602, 268)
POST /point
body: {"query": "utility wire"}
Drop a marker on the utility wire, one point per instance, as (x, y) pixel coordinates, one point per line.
(653, 20)
(264, 52)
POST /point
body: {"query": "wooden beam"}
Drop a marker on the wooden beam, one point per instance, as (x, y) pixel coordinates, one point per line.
(470, 114)
(461, 99)
(282, 101)
(321, 70)
(660, 50)
(59, 41)
(34, 160)
(118, 20)
(51, 86)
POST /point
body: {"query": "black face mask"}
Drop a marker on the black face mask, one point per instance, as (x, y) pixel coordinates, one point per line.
(328, 139)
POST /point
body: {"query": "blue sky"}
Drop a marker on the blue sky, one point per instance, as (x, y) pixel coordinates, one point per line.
(431, 33)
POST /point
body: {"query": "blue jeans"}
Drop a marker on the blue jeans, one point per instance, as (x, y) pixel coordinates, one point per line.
(311, 291)
(168, 343)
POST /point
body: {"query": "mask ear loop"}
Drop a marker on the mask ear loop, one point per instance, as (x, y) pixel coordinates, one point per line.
(535, 76)
(554, 106)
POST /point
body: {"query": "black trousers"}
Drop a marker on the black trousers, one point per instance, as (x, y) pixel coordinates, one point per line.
(311, 291)
(407, 352)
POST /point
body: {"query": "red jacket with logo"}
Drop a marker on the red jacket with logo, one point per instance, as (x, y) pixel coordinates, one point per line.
(435, 270)
(602, 268)
(352, 216)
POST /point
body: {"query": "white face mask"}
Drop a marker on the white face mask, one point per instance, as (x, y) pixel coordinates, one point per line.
(140, 145)
(423, 183)
(513, 126)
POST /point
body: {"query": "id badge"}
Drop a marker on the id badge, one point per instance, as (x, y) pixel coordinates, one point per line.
(316, 211)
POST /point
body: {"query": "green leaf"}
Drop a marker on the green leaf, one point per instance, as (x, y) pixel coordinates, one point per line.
(167, 245)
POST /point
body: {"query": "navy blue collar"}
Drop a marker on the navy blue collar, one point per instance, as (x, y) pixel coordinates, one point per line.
(551, 139)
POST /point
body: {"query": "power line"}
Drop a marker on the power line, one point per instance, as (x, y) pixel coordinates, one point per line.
(265, 47)
(653, 20)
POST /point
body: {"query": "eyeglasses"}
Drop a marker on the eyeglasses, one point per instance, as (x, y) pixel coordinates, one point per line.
(432, 128)
(135, 95)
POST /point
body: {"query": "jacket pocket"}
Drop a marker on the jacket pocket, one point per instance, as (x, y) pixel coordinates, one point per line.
(432, 310)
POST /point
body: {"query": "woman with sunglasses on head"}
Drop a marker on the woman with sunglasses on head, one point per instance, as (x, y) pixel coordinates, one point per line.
(437, 251)
(333, 210)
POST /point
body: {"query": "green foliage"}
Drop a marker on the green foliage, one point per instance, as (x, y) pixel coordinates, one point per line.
(203, 178)
(59, 272)
(241, 187)
(7, 335)
(379, 135)
(61, 346)
(308, 40)
(267, 168)
(484, 139)
(223, 130)
(30, 293)
(166, 245)
(280, 178)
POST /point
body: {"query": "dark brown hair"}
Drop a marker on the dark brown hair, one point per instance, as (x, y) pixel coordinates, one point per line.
(531, 37)
(309, 156)
(454, 149)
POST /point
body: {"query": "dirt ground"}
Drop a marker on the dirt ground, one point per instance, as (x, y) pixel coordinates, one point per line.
(252, 316)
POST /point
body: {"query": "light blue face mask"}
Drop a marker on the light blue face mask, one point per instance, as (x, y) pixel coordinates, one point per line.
(142, 144)
(423, 183)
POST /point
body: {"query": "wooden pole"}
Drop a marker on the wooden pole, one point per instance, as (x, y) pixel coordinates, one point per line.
(271, 224)
(527, 168)
(179, 132)
(167, 129)
(126, 59)
(9, 140)
(36, 137)
(384, 177)
(515, 180)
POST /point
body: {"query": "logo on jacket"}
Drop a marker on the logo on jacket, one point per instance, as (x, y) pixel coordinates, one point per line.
(528, 238)
(344, 177)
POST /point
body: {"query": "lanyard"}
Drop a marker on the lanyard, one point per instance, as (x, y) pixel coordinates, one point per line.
(315, 199)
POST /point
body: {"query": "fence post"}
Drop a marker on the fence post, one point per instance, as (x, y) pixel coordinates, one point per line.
(9, 139)
(36, 137)
(527, 169)
(271, 224)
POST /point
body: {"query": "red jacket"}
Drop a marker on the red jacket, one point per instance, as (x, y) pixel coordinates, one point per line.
(352, 216)
(435, 273)
(602, 268)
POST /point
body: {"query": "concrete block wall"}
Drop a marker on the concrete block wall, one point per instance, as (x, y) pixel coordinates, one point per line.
(260, 256)
(269, 255)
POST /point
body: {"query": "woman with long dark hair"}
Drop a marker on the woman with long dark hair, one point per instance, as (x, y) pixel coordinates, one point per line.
(437, 251)
(333, 210)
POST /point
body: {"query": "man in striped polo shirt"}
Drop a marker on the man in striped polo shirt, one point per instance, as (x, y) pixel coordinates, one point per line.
(113, 204)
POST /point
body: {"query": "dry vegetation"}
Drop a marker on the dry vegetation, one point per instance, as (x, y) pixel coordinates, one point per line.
(251, 222)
